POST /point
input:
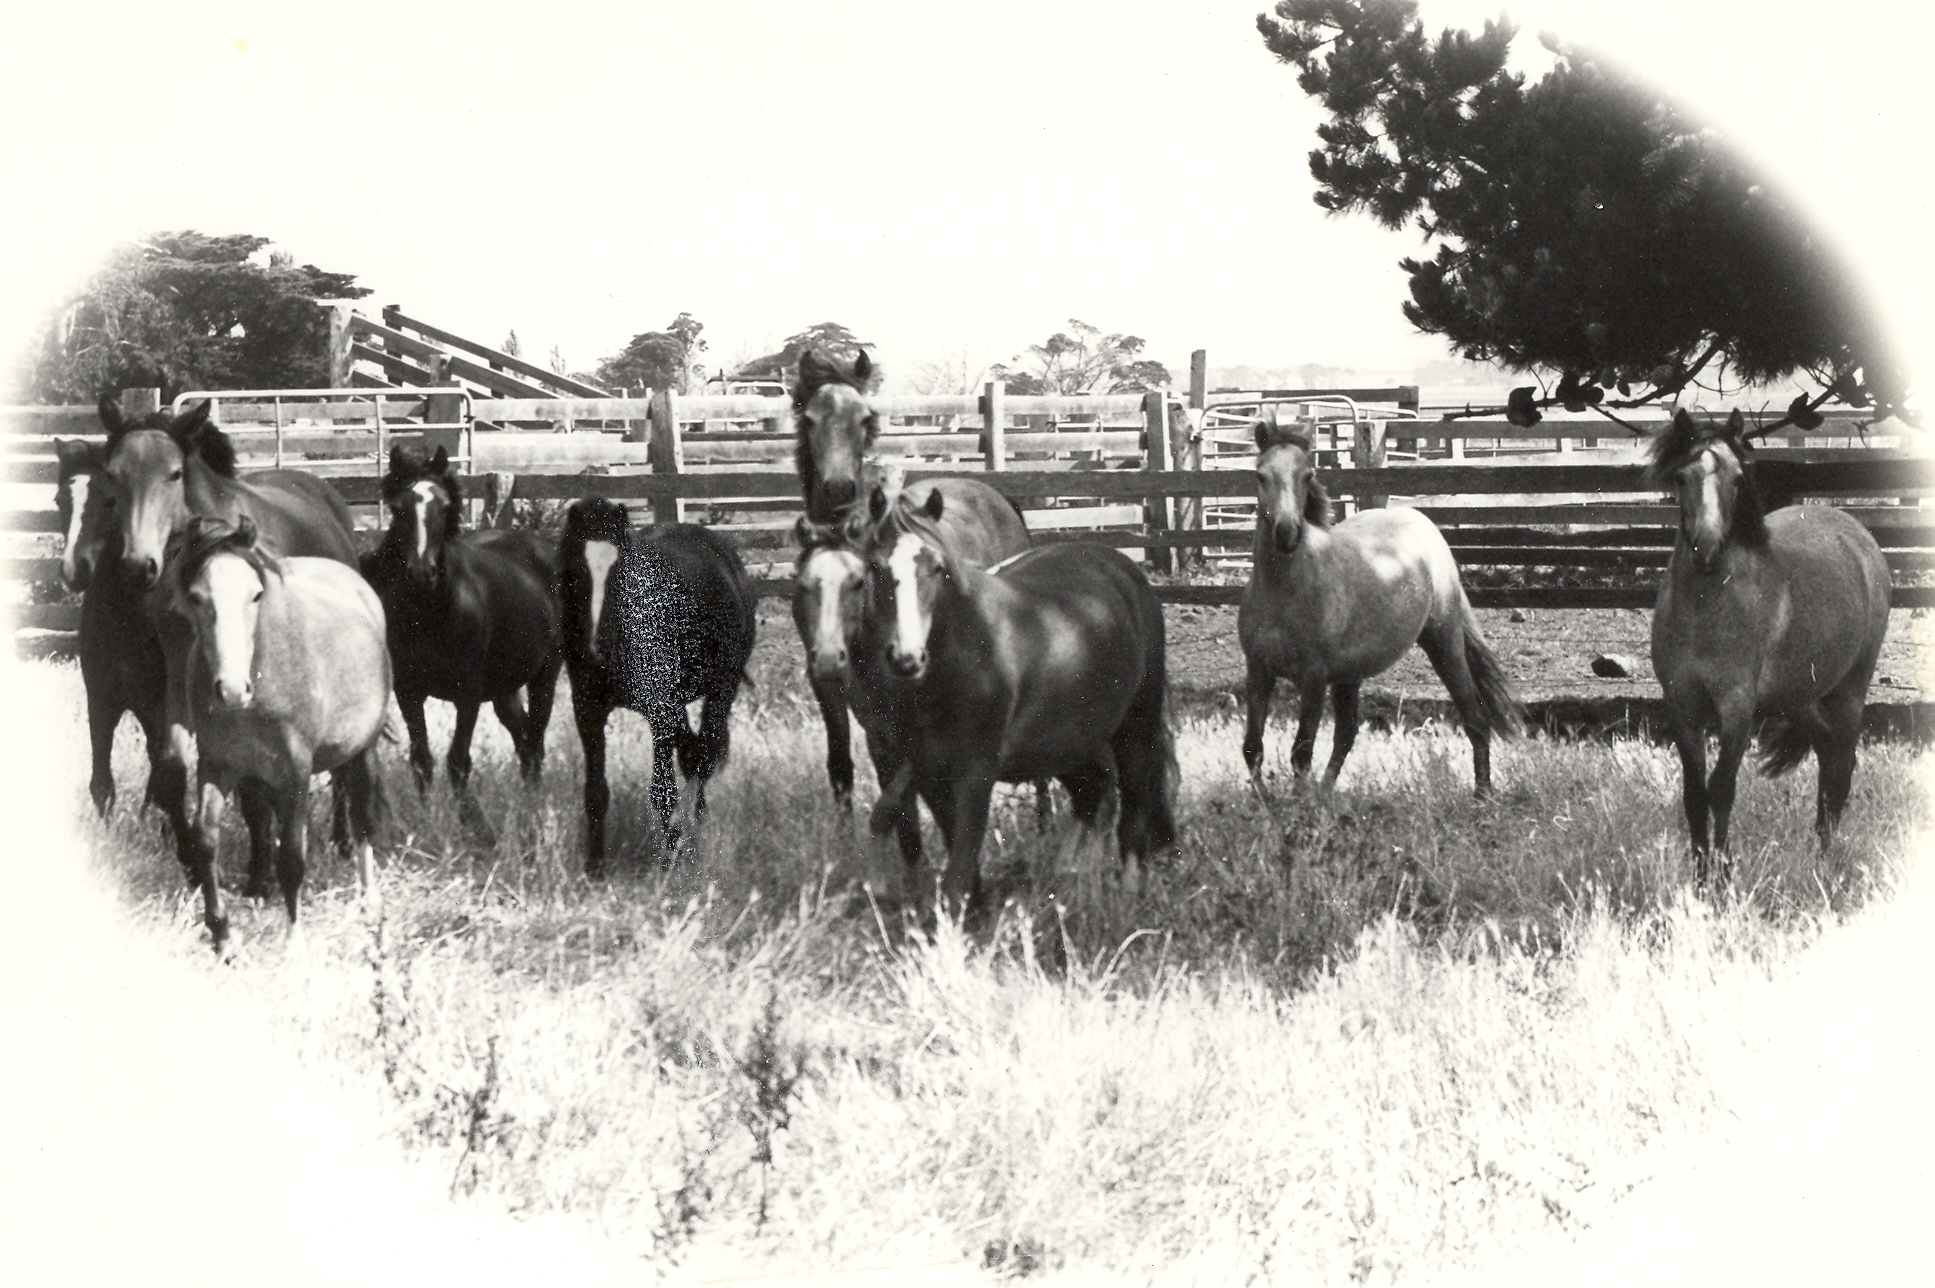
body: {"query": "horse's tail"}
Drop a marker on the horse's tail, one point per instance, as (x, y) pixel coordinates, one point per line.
(1147, 772)
(1499, 708)
(1783, 745)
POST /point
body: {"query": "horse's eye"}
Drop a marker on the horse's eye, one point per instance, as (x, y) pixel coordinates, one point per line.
(256, 598)
(174, 476)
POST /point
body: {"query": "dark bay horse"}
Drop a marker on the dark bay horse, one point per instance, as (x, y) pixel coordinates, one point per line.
(834, 426)
(473, 616)
(652, 621)
(1328, 608)
(844, 664)
(289, 677)
(121, 664)
(1774, 618)
(1047, 665)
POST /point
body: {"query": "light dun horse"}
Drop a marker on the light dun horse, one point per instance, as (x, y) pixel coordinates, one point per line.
(1048, 665)
(1762, 617)
(1328, 608)
(288, 676)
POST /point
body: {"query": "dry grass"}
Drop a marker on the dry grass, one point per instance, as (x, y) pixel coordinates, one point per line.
(1398, 1030)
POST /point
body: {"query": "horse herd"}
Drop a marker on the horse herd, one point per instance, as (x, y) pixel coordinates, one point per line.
(234, 617)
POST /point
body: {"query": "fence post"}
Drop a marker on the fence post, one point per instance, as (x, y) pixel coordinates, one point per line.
(638, 431)
(340, 337)
(666, 453)
(1367, 453)
(1158, 455)
(994, 424)
(1189, 509)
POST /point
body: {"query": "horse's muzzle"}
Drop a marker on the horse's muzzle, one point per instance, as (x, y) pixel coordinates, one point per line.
(234, 697)
(78, 573)
(142, 570)
(829, 666)
(909, 666)
(1287, 537)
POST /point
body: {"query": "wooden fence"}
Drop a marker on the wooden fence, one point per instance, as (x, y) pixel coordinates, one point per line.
(1530, 512)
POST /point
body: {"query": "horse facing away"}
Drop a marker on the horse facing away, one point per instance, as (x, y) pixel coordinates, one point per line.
(1328, 608)
(1047, 665)
(652, 621)
(290, 677)
(980, 527)
(473, 616)
(1761, 617)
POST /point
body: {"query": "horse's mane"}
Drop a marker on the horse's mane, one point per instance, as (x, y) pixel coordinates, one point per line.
(194, 433)
(1316, 497)
(205, 537)
(409, 465)
(819, 368)
(905, 518)
(594, 519)
(1684, 438)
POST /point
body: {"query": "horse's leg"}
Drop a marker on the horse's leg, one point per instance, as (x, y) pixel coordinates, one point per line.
(422, 763)
(898, 809)
(668, 731)
(1343, 705)
(1836, 755)
(293, 854)
(1310, 714)
(356, 784)
(969, 796)
(839, 740)
(457, 764)
(258, 810)
(701, 756)
(1044, 803)
(1445, 647)
(591, 716)
(103, 714)
(1088, 795)
(1259, 683)
(540, 693)
(1736, 731)
(201, 873)
(517, 723)
(1691, 742)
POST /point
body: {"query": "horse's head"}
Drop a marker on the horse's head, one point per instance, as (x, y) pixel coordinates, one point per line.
(426, 501)
(1288, 493)
(1704, 466)
(217, 577)
(145, 475)
(834, 427)
(830, 600)
(906, 568)
(83, 510)
(597, 532)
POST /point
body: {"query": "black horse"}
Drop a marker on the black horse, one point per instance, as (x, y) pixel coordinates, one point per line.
(473, 616)
(652, 621)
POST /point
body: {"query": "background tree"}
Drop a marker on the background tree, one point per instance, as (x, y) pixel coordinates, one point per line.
(657, 359)
(1585, 229)
(186, 310)
(954, 372)
(831, 336)
(512, 345)
(1083, 360)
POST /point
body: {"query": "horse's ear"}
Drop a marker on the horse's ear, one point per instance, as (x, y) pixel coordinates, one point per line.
(624, 517)
(862, 367)
(111, 416)
(877, 503)
(1262, 429)
(935, 504)
(195, 417)
(1736, 423)
(441, 461)
(244, 535)
(1682, 421)
(802, 532)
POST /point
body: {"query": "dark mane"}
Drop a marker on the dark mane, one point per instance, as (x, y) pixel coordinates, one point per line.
(206, 537)
(1685, 438)
(1316, 503)
(194, 433)
(594, 518)
(904, 518)
(818, 369)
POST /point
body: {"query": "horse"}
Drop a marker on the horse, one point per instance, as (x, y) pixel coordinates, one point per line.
(473, 616)
(1763, 619)
(1049, 664)
(833, 427)
(121, 664)
(289, 677)
(652, 621)
(980, 527)
(1330, 607)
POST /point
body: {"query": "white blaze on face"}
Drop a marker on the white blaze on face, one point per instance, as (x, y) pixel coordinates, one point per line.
(77, 495)
(1709, 529)
(903, 567)
(826, 574)
(232, 591)
(425, 492)
(599, 558)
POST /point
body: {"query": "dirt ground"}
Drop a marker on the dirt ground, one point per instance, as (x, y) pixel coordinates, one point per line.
(1548, 655)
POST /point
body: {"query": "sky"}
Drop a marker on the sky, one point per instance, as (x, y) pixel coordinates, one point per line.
(948, 182)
